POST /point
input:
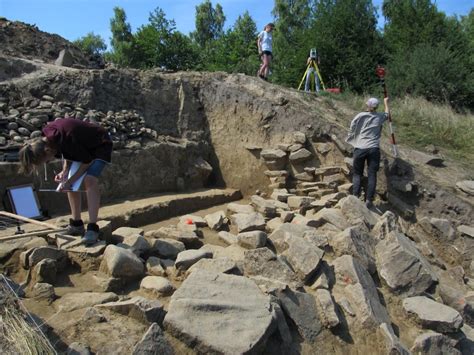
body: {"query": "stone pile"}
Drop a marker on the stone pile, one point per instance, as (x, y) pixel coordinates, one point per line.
(22, 121)
(295, 168)
(281, 272)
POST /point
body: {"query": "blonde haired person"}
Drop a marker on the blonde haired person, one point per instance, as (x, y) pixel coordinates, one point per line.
(73, 140)
(264, 44)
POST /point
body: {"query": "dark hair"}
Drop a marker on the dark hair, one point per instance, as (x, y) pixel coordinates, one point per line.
(271, 24)
(31, 155)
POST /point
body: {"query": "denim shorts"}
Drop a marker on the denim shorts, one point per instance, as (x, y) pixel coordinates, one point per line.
(95, 169)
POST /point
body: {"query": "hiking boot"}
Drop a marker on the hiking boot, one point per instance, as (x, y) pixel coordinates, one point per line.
(75, 228)
(91, 235)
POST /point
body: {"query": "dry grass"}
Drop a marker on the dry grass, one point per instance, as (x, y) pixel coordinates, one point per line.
(17, 333)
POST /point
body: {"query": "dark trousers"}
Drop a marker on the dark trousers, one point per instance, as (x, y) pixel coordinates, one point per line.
(372, 156)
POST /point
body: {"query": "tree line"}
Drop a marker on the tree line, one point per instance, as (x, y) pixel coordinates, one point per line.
(426, 53)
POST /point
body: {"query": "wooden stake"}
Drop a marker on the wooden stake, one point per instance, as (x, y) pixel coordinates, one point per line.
(29, 220)
(31, 234)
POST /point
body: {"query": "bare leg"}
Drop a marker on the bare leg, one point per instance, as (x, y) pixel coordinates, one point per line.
(266, 64)
(75, 204)
(93, 197)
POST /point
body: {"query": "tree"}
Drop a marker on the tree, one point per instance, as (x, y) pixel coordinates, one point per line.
(291, 40)
(158, 44)
(348, 43)
(122, 38)
(428, 53)
(209, 23)
(91, 44)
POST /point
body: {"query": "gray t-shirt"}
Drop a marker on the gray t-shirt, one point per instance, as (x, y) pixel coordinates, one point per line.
(366, 129)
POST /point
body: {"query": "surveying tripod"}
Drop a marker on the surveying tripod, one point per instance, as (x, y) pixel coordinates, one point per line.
(312, 68)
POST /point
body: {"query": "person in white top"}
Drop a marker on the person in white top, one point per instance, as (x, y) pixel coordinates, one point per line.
(264, 44)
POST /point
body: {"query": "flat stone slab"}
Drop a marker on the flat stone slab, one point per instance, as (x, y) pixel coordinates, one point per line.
(153, 342)
(434, 343)
(466, 186)
(248, 222)
(77, 246)
(72, 301)
(220, 313)
(433, 315)
(139, 308)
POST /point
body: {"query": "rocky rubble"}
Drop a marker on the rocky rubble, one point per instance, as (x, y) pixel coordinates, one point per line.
(297, 282)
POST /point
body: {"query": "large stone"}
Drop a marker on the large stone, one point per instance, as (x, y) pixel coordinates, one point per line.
(158, 285)
(263, 262)
(301, 309)
(466, 230)
(327, 308)
(45, 271)
(248, 222)
(433, 315)
(139, 308)
(216, 220)
(296, 202)
(265, 207)
(189, 238)
(43, 291)
(387, 223)
(392, 343)
(434, 343)
(252, 240)
(65, 58)
(300, 155)
(121, 233)
(227, 237)
(234, 252)
(440, 229)
(121, 263)
(153, 343)
(238, 208)
(402, 267)
(224, 265)
(72, 301)
(356, 285)
(167, 248)
(187, 258)
(272, 154)
(154, 267)
(428, 159)
(137, 244)
(333, 216)
(353, 241)
(41, 253)
(356, 211)
(220, 313)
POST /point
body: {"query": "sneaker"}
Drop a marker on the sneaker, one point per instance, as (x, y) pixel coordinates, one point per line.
(75, 230)
(369, 204)
(90, 237)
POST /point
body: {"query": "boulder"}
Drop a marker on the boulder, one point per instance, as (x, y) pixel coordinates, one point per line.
(167, 248)
(355, 284)
(296, 202)
(402, 267)
(219, 265)
(121, 233)
(327, 308)
(434, 343)
(466, 186)
(192, 219)
(187, 258)
(301, 309)
(154, 268)
(158, 285)
(238, 208)
(387, 223)
(466, 231)
(216, 220)
(208, 303)
(356, 211)
(353, 241)
(263, 262)
(227, 237)
(392, 343)
(333, 216)
(43, 291)
(72, 301)
(139, 308)
(45, 271)
(300, 156)
(189, 238)
(121, 263)
(433, 315)
(38, 254)
(137, 244)
(153, 342)
(248, 222)
(252, 240)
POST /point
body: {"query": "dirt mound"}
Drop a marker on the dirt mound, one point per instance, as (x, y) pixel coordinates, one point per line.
(27, 41)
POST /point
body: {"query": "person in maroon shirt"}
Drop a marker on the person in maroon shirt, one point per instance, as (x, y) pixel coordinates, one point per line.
(73, 140)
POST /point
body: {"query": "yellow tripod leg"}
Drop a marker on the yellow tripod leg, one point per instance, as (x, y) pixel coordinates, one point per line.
(304, 75)
(319, 75)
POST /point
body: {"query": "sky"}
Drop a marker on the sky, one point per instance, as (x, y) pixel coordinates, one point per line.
(73, 19)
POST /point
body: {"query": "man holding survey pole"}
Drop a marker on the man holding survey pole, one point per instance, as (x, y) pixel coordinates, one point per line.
(85, 149)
